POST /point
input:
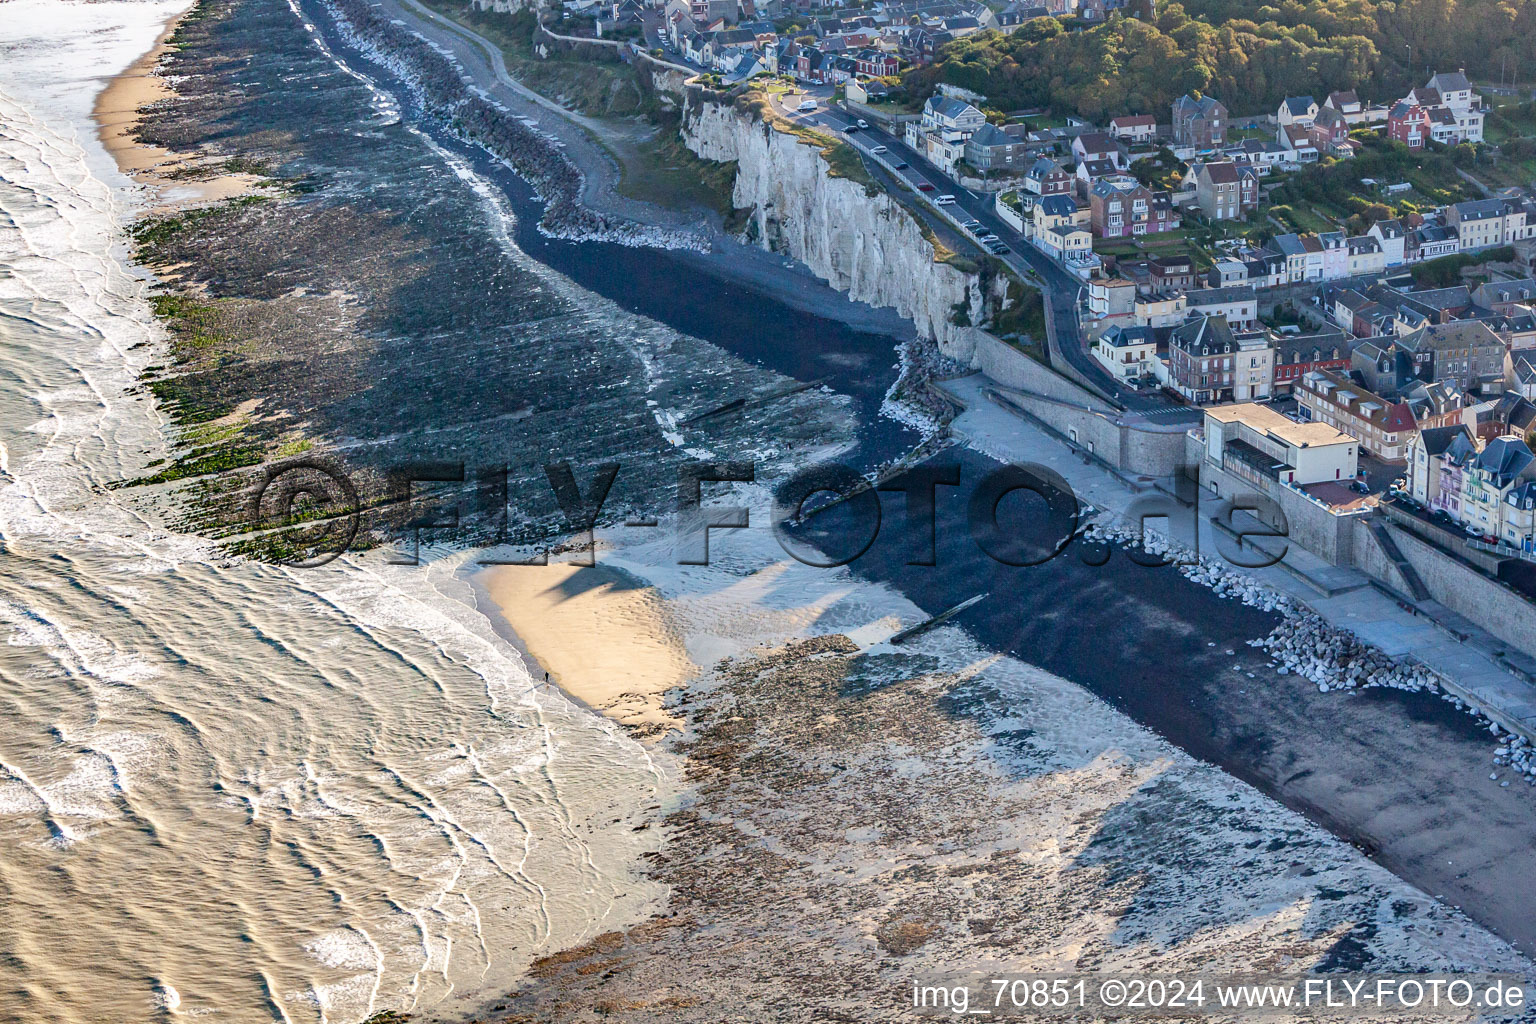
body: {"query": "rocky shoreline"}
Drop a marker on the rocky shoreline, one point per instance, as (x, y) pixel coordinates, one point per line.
(1307, 645)
(437, 86)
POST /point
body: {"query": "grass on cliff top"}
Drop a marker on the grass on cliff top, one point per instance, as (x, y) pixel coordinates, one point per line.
(843, 161)
(667, 173)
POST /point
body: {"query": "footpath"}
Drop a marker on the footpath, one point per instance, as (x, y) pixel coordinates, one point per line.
(1471, 663)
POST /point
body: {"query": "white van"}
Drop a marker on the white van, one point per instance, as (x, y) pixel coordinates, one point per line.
(807, 105)
(945, 200)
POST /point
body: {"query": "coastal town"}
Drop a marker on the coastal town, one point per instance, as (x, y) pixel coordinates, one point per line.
(1333, 296)
(408, 413)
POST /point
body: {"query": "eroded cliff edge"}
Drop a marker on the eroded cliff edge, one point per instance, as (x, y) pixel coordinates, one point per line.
(854, 236)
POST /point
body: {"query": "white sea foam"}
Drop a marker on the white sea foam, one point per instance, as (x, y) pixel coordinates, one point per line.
(325, 794)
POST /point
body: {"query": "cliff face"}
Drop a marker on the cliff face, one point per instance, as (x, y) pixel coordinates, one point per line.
(866, 245)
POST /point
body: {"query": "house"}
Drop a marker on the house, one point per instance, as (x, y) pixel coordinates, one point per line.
(1171, 273)
(1520, 374)
(1485, 222)
(1126, 352)
(1199, 121)
(1300, 110)
(1160, 309)
(1347, 103)
(1382, 426)
(1111, 299)
(1408, 123)
(1134, 128)
(1018, 12)
(1120, 206)
(1429, 451)
(1238, 305)
(1498, 492)
(1227, 272)
(867, 90)
(1466, 352)
(1207, 363)
(1504, 296)
(876, 63)
(1223, 190)
(1299, 354)
(1297, 142)
(1335, 254)
(1095, 146)
(1365, 256)
(1055, 224)
(991, 149)
(1391, 236)
(1046, 178)
(1303, 256)
(946, 113)
(1090, 171)
(1257, 444)
(1466, 106)
(1431, 241)
(1330, 134)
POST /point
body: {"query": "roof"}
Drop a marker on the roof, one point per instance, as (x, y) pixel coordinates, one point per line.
(948, 106)
(1453, 81)
(1504, 459)
(1508, 291)
(1096, 142)
(1343, 99)
(1436, 440)
(1044, 166)
(1125, 337)
(1264, 420)
(1220, 296)
(1205, 332)
(1203, 106)
(1058, 206)
(991, 135)
(1479, 209)
(1299, 105)
(1310, 347)
(1456, 334)
(1133, 121)
(1222, 172)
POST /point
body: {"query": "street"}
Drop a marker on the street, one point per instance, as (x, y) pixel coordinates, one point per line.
(1030, 264)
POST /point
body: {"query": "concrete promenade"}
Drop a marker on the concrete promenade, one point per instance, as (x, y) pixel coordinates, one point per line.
(1473, 669)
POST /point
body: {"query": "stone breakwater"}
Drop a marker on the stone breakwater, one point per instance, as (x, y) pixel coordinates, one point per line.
(435, 81)
(912, 399)
(1305, 644)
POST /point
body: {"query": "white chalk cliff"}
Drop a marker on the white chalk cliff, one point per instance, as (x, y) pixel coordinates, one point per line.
(866, 245)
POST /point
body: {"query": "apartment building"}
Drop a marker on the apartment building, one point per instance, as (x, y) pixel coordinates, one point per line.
(1382, 427)
(1207, 363)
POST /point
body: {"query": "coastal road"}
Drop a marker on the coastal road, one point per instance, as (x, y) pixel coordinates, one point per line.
(1066, 289)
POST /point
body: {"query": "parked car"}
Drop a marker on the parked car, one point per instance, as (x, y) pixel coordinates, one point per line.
(863, 123)
(972, 225)
(945, 200)
(901, 166)
(878, 149)
(851, 129)
(924, 187)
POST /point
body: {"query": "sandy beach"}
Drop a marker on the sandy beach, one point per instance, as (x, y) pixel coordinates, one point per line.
(169, 179)
(601, 635)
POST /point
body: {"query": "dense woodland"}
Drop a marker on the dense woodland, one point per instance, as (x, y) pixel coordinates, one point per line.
(1248, 53)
